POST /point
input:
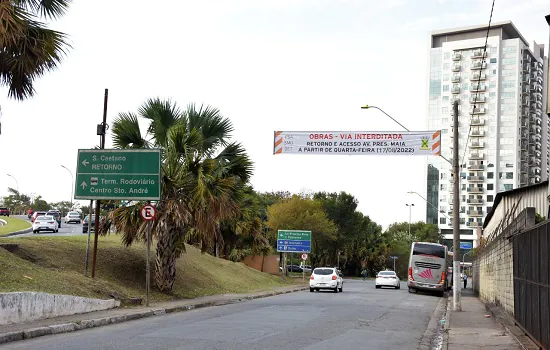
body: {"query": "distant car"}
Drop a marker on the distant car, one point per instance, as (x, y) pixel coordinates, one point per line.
(56, 214)
(85, 224)
(45, 223)
(4, 211)
(326, 278)
(387, 279)
(36, 214)
(73, 216)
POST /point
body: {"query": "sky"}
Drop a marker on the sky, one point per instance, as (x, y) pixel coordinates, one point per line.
(267, 65)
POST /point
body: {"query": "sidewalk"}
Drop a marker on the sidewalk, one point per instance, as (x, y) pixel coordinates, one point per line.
(475, 327)
(63, 324)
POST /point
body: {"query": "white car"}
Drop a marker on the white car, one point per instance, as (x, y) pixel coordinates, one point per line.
(387, 279)
(73, 216)
(45, 223)
(326, 278)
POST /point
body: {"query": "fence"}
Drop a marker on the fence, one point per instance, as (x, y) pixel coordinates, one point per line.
(531, 250)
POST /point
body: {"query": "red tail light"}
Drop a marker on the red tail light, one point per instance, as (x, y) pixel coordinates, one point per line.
(333, 277)
(311, 277)
(411, 273)
(442, 281)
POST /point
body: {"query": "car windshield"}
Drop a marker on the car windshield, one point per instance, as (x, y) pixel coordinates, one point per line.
(74, 214)
(429, 249)
(323, 271)
(44, 218)
(386, 273)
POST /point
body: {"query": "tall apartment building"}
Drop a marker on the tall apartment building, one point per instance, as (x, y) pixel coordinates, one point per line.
(503, 130)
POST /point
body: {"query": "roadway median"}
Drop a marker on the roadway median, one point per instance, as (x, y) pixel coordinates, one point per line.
(14, 226)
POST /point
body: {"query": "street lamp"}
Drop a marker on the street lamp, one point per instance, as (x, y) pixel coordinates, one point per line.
(16, 183)
(72, 184)
(410, 212)
(389, 116)
(430, 204)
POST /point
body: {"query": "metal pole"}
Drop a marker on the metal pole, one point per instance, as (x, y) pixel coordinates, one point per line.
(72, 184)
(16, 183)
(89, 233)
(456, 213)
(98, 202)
(147, 266)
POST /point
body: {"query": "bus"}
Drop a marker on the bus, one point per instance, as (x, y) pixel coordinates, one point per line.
(428, 267)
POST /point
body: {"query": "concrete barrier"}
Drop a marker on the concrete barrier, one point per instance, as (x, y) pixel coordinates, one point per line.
(29, 306)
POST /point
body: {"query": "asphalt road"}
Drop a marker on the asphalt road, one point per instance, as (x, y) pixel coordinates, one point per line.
(361, 317)
(64, 230)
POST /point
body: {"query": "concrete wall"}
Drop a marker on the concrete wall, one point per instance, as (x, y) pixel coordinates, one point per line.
(493, 274)
(270, 263)
(28, 306)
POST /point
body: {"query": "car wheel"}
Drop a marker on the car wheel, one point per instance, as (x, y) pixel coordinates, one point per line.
(342, 288)
(378, 287)
(311, 290)
(411, 290)
(336, 289)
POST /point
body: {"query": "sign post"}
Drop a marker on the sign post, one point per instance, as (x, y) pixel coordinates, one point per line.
(148, 213)
(304, 258)
(394, 258)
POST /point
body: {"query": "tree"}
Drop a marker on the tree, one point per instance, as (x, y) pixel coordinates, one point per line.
(16, 201)
(40, 205)
(298, 213)
(203, 179)
(29, 48)
(64, 206)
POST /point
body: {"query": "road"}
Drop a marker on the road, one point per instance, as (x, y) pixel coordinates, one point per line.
(64, 230)
(361, 317)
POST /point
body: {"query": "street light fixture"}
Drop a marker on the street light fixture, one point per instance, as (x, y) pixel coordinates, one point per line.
(430, 204)
(16, 182)
(72, 184)
(389, 116)
(410, 212)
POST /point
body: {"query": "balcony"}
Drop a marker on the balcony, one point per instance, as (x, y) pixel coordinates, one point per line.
(477, 122)
(476, 156)
(478, 65)
(475, 178)
(474, 190)
(477, 133)
(479, 110)
(455, 78)
(474, 224)
(477, 144)
(478, 99)
(455, 89)
(475, 166)
(474, 213)
(457, 56)
(526, 67)
(478, 53)
(478, 87)
(455, 67)
(478, 76)
(474, 201)
(455, 98)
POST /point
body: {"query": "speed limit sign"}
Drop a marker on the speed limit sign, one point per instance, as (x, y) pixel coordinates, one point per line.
(304, 257)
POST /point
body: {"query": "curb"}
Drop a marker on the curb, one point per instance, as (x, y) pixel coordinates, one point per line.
(523, 340)
(99, 322)
(434, 335)
(27, 230)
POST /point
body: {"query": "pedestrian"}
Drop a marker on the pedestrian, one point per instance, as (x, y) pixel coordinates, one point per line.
(364, 274)
(465, 280)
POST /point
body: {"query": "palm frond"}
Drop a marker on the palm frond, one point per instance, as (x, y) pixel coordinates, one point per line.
(50, 9)
(214, 128)
(163, 114)
(126, 132)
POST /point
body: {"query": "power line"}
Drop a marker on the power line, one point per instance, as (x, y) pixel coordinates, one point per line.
(478, 84)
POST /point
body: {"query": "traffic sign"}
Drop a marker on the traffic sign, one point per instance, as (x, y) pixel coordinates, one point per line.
(465, 245)
(294, 241)
(148, 212)
(304, 257)
(394, 257)
(113, 174)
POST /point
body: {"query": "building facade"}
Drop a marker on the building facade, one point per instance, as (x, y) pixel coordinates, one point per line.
(503, 128)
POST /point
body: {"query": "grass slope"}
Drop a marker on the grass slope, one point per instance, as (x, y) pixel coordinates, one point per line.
(14, 225)
(56, 265)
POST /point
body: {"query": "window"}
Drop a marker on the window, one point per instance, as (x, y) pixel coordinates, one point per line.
(446, 66)
(445, 87)
(493, 60)
(489, 209)
(490, 187)
(442, 221)
(492, 84)
(445, 98)
(447, 55)
(445, 77)
(507, 187)
(490, 199)
(508, 72)
(491, 175)
(494, 71)
(429, 249)
(445, 110)
(493, 50)
(492, 94)
(508, 49)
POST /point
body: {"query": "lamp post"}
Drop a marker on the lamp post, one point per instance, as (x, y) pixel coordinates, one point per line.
(410, 213)
(72, 183)
(16, 183)
(387, 115)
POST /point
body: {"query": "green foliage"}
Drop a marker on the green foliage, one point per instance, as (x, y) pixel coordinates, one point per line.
(539, 218)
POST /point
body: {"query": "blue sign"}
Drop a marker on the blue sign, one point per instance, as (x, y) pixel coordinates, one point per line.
(286, 245)
(465, 245)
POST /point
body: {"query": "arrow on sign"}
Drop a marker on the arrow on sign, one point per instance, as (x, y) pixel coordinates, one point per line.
(85, 162)
(83, 184)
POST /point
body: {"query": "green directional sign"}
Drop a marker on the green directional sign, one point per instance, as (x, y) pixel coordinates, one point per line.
(295, 235)
(118, 174)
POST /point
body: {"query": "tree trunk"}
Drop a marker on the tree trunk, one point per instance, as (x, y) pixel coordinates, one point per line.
(165, 272)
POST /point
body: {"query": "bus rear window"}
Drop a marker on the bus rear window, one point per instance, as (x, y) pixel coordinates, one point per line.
(429, 249)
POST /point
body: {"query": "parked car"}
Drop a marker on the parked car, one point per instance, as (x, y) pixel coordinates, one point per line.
(56, 214)
(387, 279)
(36, 214)
(4, 211)
(73, 216)
(326, 278)
(45, 223)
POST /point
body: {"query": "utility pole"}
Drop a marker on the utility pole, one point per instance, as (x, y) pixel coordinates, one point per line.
(456, 213)
(101, 131)
(410, 216)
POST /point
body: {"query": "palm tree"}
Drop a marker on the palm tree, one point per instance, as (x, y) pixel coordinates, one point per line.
(29, 48)
(203, 179)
